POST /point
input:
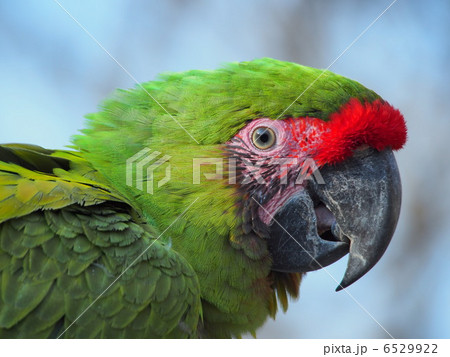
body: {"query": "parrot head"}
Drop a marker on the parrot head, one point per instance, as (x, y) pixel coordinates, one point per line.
(302, 174)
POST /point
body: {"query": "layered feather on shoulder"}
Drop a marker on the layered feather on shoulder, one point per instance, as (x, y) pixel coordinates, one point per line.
(77, 260)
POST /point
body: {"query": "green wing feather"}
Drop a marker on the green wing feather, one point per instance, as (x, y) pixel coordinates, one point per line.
(69, 243)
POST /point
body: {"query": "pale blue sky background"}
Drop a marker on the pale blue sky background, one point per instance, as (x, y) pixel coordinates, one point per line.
(52, 74)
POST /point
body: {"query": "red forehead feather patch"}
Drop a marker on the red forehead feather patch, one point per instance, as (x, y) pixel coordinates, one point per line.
(376, 124)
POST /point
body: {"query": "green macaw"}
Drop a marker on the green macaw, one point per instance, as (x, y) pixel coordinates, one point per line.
(192, 205)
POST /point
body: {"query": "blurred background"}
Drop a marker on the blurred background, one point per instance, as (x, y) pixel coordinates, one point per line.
(52, 73)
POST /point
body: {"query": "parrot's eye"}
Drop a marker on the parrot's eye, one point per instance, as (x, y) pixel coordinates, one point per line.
(263, 138)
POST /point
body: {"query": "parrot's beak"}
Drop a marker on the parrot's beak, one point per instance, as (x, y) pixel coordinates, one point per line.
(354, 209)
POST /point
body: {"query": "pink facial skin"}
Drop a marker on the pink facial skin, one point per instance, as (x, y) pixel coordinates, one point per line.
(294, 137)
(356, 125)
(295, 142)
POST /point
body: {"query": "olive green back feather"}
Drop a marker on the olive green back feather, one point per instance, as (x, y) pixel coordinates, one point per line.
(65, 239)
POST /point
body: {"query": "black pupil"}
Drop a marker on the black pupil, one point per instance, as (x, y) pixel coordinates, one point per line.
(264, 137)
